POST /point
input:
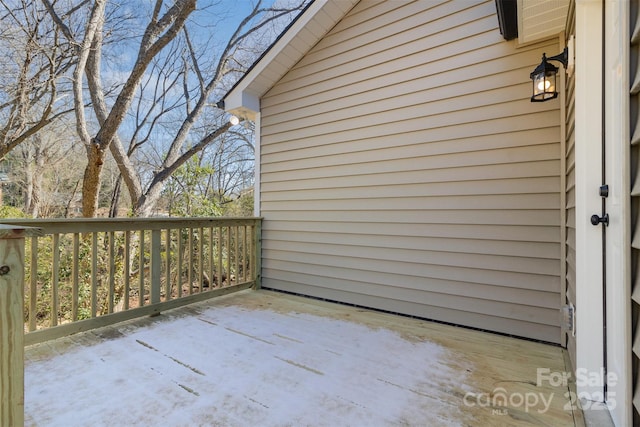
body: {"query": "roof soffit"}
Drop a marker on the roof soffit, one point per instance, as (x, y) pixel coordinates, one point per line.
(307, 30)
(541, 19)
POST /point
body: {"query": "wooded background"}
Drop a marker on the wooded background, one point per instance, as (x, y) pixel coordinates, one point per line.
(109, 108)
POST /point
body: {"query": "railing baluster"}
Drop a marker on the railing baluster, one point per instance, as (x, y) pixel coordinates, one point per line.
(94, 274)
(220, 248)
(258, 254)
(75, 273)
(180, 262)
(167, 285)
(237, 249)
(190, 261)
(244, 253)
(156, 266)
(201, 260)
(236, 243)
(251, 252)
(229, 255)
(55, 279)
(127, 268)
(33, 299)
(190, 272)
(112, 271)
(211, 269)
(141, 271)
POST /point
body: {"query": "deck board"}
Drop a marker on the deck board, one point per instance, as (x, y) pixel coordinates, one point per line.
(272, 359)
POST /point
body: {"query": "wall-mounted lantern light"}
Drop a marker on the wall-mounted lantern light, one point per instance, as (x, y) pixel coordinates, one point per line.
(544, 77)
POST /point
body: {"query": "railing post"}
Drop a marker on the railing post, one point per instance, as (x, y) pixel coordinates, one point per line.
(257, 236)
(12, 323)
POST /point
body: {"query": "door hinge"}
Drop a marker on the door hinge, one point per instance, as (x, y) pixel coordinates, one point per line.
(604, 190)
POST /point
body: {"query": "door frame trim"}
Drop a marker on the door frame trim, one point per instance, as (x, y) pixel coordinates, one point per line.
(618, 248)
(588, 152)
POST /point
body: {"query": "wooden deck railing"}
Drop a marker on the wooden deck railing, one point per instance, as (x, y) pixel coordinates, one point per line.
(87, 273)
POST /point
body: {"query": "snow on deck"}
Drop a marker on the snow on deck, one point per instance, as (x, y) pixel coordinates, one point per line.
(268, 359)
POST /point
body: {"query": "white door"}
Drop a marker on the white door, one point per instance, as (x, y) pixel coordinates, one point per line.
(602, 207)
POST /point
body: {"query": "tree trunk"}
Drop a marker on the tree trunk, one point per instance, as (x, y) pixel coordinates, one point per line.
(91, 180)
(34, 209)
(39, 161)
(144, 206)
(115, 198)
(35, 166)
(67, 208)
(28, 191)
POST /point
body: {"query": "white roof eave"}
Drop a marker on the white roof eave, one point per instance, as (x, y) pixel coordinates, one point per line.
(244, 99)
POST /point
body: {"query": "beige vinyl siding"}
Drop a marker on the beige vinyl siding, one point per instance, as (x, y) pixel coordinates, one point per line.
(570, 182)
(404, 168)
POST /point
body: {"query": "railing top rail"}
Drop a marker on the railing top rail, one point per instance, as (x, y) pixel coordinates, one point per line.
(10, 231)
(85, 225)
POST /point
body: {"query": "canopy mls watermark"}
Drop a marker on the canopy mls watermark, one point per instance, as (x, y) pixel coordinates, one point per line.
(500, 400)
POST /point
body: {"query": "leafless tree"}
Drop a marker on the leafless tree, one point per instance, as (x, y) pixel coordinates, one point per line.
(43, 172)
(34, 60)
(231, 161)
(212, 179)
(169, 94)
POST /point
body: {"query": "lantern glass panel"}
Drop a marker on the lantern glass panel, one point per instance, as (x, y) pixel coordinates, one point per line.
(544, 86)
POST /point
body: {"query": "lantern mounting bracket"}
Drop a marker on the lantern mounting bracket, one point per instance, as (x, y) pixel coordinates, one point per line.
(562, 57)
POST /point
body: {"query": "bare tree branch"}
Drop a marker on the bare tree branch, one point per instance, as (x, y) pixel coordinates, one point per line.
(170, 70)
(29, 90)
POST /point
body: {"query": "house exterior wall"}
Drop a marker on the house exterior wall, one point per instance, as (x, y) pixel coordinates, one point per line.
(403, 168)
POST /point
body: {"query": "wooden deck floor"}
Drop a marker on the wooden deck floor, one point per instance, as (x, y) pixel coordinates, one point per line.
(271, 359)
